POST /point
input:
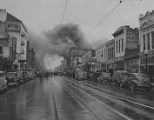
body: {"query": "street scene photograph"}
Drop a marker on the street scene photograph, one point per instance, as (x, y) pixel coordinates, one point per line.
(76, 59)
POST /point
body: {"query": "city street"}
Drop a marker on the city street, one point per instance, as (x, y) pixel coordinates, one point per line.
(60, 98)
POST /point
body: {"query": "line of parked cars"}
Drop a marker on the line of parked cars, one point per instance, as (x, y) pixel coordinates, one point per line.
(10, 79)
(122, 79)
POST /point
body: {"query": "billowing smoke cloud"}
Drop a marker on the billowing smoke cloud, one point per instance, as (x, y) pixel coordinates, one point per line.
(57, 41)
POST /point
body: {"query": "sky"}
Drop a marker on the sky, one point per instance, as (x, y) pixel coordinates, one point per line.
(42, 15)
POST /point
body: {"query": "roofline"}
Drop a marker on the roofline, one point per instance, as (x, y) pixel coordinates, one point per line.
(24, 27)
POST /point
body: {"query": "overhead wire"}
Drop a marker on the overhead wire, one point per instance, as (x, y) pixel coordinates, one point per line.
(63, 15)
(106, 16)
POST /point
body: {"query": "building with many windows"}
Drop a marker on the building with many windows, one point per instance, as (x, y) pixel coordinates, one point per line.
(15, 32)
(111, 54)
(89, 61)
(75, 55)
(146, 34)
(101, 56)
(125, 37)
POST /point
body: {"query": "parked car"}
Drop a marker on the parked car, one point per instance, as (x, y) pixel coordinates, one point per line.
(3, 81)
(136, 80)
(90, 76)
(19, 77)
(104, 77)
(12, 79)
(24, 76)
(119, 78)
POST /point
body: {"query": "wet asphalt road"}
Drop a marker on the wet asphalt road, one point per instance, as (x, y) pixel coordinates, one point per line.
(57, 98)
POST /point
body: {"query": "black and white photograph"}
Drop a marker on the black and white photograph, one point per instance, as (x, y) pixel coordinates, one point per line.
(76, 59)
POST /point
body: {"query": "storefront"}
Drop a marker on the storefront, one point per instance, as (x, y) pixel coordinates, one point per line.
(98, 66)
(132, 60)
(147, 65)
(119, 63)
(103, 67)
(6, 64)
(110, 68)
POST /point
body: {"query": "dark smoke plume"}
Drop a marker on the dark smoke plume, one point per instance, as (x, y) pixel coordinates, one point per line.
(64, 37)
(58, 41)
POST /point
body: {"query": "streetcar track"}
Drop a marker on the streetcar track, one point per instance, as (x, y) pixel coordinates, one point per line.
(125, 99)
(92, 114)
(56, 110)
(110, 108)
(122, 98)
(130, 107)
(110, 98)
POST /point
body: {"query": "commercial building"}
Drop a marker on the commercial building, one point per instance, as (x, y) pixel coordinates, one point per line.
(5, 61)
(101, 56)
(89, 61)
(30, 57)
(111, 55)
(132, 59)
(125, 37)
(146, 34)
(15, 32)
(75, 55)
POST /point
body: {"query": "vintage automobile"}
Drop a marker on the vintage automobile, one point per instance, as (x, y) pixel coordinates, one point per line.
(12, 79)
(119, 78)
(19, 77)
(90, 76)
(104, 77)
(3, 81)
(24, 76)
(138, 80)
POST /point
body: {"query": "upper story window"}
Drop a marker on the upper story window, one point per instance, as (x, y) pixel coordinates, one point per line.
(116, 46)
(119, 46)
(144, 46)
(102, 53)
(148, 40)
(152, 35)
(122, 44)
(1, 49)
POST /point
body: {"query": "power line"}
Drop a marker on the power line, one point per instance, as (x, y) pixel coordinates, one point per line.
(64, 11)
(106, 16)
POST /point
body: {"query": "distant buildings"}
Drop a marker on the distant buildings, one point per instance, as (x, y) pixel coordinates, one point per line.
(75, 55)
(89, 61)
(111, 55)
(132, 50)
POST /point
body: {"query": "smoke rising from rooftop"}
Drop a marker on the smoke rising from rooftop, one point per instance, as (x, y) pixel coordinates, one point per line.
(57, 41)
